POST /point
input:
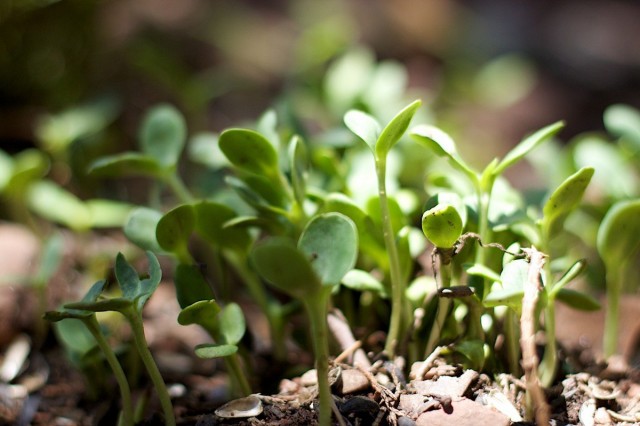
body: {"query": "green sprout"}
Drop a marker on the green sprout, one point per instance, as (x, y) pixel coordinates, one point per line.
(618, 245)
(380, 141)
(135, 293)
(88, 318)
(326, 251)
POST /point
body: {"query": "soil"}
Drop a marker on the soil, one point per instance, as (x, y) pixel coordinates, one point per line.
(49, 390)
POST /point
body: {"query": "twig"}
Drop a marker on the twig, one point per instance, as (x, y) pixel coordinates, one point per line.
(527, 340)
(347, 352)
(427, 363)
(342, 332)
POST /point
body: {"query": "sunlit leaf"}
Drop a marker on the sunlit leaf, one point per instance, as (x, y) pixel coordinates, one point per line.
(359, 280)
(393, 131)
(442, 225)
(441, 144)
(330, 242)
(623, 120)
(564, 200)
(364, 126)
(527, 145)
(618, 240)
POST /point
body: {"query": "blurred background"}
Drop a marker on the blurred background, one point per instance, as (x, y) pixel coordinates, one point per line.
(489, 71)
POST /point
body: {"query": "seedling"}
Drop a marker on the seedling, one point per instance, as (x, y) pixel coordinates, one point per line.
(135, 293)
(226, 326)
(442, 145)
(162, 138)
(442, 225)
(326, 251)
(380, 141)
(88, 318)
(618, 245)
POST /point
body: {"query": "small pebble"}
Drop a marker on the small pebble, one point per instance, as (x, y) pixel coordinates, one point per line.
(406, 421)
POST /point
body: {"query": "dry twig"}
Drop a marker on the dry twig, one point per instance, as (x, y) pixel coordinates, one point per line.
(527, 338)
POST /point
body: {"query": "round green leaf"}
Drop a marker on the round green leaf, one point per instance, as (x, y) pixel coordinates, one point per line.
(359, 280)
(163, 134)
(279, 262)
(623, 120)
(442, 225)
(249, 151)
(191, 286)
(330, 241)
(451, 198)
(232, 323)
(175, 227)
(204, 313)
(210, 350)
(618, 240)
(140, 228)
(211, 219)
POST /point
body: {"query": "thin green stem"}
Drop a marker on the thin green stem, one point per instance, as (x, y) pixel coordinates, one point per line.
(614, 286)
(232, 363)
(152, 368)
(550, 357)
(512, 341)
(317, 310)
(125, 392)
(475, 312)
(179, 188)
(397, 284)
(271, 308)
(443, 304)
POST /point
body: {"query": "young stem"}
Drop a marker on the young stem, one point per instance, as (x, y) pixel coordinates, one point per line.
(125, 392)
(512, 339)
(614, 285)
(397, 284)
(317, 310)
(147, 359)
(232, 363)
(475, 311)
(179, 189)
(443, 304)
(550, 357)
(270, 307)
